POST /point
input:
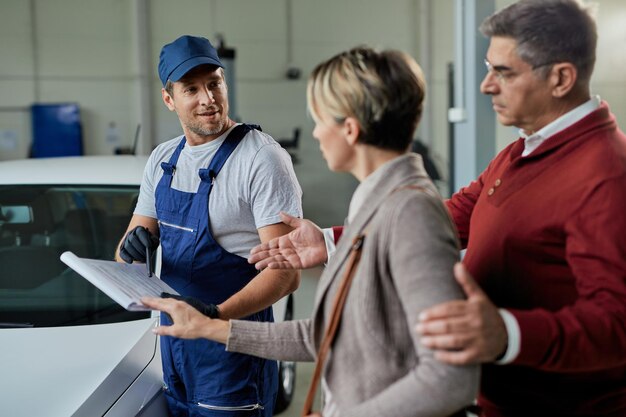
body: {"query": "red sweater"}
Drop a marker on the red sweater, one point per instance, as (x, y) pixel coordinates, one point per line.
(546, 239)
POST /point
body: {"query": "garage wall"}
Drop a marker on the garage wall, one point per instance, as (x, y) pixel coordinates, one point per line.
(69, 50)
(86, 51)
(609, 79)
(16, 79)
(271, 36)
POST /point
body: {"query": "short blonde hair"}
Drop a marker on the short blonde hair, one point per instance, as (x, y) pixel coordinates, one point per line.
(384, 91)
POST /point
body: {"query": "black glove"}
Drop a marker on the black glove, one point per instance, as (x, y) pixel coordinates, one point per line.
(135, 245)
(209, 310)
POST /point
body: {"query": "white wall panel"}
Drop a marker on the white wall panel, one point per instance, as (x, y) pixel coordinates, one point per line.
(85, 53)
(15, 48)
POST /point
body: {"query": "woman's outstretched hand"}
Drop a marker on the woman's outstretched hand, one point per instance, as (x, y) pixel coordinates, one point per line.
(187, 322)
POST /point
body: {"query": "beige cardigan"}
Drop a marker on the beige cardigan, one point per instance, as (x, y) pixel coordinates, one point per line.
(377, 366)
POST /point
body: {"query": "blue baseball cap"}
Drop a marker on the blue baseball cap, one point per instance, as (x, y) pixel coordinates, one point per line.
(183, 55)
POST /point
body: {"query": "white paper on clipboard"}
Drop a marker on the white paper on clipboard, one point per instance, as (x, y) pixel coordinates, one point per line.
(124, 283)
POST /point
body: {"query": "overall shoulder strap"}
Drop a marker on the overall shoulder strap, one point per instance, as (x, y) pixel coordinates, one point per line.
(170, 166)
(226, 149)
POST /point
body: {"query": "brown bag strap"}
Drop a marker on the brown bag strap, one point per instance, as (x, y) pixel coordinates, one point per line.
(333, 323)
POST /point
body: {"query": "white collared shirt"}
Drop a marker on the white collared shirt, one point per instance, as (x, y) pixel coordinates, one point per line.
(532, 142)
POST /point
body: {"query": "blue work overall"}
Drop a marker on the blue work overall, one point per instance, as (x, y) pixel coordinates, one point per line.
(201, 378)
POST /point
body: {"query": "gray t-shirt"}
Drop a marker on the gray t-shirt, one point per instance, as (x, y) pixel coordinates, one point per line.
(255, 184)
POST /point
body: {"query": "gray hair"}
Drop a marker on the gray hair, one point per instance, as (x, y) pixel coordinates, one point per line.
(383, 90)
(548, 32)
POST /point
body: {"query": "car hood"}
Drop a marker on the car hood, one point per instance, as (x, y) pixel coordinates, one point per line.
(104, 170)
(59, 369)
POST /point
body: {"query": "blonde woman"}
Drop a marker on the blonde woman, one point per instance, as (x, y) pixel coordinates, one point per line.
(366, 106)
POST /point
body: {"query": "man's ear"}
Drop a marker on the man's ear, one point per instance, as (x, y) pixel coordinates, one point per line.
(167, 99)
(352, 130)
(563, 77)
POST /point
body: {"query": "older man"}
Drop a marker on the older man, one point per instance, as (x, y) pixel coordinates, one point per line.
(544, 229)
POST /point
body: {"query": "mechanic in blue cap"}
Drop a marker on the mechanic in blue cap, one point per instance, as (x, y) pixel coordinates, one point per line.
(208, 197)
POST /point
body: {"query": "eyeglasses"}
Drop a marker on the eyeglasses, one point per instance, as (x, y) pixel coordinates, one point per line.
(499, 72)
(504, 73)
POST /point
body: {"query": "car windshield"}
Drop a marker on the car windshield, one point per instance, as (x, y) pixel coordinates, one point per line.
(37, 224)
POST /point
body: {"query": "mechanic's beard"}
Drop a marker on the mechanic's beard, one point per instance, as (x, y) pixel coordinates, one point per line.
(200, 130)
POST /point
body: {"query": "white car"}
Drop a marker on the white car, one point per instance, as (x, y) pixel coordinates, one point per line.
(66, 349)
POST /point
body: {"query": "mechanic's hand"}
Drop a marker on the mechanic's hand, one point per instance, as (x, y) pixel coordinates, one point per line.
(464, 332)
(187, 322)
(134, 245)
(301, 248)
(209, 310)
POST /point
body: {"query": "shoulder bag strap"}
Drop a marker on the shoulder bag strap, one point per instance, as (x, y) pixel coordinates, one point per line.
(333, 323)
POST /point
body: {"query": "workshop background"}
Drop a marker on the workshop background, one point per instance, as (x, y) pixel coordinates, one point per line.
(102, 55)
